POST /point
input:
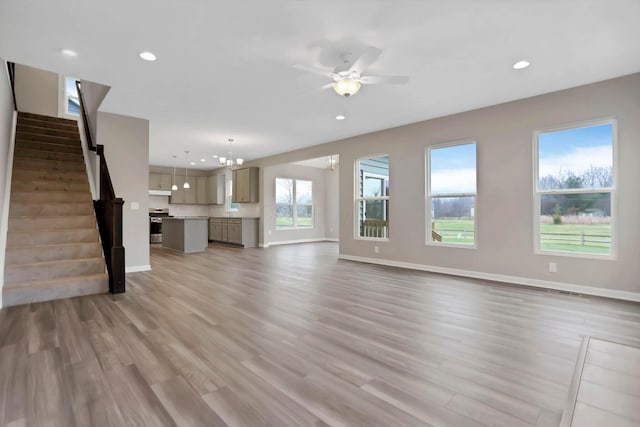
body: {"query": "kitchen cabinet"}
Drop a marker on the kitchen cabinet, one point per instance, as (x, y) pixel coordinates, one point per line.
(245, 185)
(190, 193)
(159, 181)
(215, 229)
(177, 196)
(201, 190)
(215, 189)
(238, 231)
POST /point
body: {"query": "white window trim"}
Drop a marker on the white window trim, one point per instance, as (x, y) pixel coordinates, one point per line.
(294, 206)
(537, 250)
(62, 99)
(228, 193)
(358, 199)
(427, 201)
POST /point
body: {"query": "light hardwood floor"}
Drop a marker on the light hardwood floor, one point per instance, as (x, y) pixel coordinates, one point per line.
(291, 336)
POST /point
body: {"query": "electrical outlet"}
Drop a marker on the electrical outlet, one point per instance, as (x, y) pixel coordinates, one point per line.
(376, 249)
(553, 267)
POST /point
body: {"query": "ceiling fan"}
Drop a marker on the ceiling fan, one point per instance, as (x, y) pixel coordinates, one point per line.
(348, 80)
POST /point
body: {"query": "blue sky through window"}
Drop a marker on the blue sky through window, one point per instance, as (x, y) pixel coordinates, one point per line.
(575, 150)
(453, 169)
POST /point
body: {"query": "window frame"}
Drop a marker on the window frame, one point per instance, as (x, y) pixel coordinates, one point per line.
(428, 197)
(229, 206)
(63, 98)
(358, 200)
(537, 193)
(294, 205)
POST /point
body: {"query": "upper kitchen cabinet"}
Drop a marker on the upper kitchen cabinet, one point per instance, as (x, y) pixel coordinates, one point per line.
(215, 189)
(245, 185)
(201, 190)
(159, 181)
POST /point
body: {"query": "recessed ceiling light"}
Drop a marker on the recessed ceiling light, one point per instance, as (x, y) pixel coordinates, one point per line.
(192, 163)
(340, 117)
(203, 160)
(521, 65)
(215, 157)
(68, 52)
(147, 56)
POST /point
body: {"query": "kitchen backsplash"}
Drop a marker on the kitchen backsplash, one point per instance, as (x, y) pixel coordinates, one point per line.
(245, 210)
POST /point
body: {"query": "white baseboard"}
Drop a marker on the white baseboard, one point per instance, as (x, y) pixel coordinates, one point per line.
(137, 268)
(546, 284)
(293, 242)
(263, 245)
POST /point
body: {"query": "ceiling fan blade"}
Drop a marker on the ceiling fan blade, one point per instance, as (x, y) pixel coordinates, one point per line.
(326, 73)
(390, 80)
(367, 58)
(327, 86)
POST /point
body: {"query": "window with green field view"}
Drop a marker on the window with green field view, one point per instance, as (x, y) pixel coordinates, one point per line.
(294, 203)
(575, 187)
(451, 194)
(372, 201)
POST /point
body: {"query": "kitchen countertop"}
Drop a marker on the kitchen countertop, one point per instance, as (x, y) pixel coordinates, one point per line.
(184, 217)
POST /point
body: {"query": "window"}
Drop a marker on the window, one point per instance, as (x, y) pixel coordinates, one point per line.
(230, 206)
(372, 201)
(70, 99)
(451, 194)
(574, 190)
(294, 203)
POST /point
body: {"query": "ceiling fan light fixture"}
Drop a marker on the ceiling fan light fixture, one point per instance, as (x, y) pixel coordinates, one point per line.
(346, 87)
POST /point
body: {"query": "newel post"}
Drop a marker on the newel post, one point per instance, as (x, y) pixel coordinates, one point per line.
(117, 278)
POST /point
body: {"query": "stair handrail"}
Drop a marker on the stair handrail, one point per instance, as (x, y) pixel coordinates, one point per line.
(108, 210)
(11, 71)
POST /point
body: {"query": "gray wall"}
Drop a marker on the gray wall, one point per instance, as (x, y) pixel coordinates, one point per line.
(318, 177)
(126, 146)
(504, 135)
(6, 125)
(332, 204)
(37, 91)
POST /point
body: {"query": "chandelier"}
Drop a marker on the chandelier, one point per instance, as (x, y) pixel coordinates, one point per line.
(229, 161)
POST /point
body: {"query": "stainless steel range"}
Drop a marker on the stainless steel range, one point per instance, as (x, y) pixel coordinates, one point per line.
(155, 224)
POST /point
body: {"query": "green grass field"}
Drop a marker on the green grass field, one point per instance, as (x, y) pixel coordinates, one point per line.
(288, 222)
(554, 237)
(597, 238)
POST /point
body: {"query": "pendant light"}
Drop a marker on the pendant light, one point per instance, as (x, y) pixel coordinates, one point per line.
(174, 187)
(186, 172)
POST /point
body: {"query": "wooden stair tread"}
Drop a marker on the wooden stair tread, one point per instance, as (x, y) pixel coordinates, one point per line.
(55, 262)
(53, 282)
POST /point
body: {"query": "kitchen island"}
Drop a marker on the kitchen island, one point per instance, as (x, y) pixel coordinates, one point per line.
(186, 234)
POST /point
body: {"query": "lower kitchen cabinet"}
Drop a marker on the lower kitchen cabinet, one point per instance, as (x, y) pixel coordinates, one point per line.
(238, 231)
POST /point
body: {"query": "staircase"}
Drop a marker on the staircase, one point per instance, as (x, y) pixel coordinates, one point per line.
(53, 245)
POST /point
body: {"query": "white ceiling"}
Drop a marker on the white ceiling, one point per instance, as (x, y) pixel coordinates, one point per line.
(225, 69)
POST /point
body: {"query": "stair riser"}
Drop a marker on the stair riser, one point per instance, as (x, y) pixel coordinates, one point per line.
(42, 185)
(50, 209)
(48, 165)
(52, 223)
(50, 197)
(19, 239)
(48, 155)
(47, 119)
(52, 253)
(42, 130)
(18, 274)
(72, 288)
(23, 175)
(26, 136)
(45, 146)
(71, 127)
